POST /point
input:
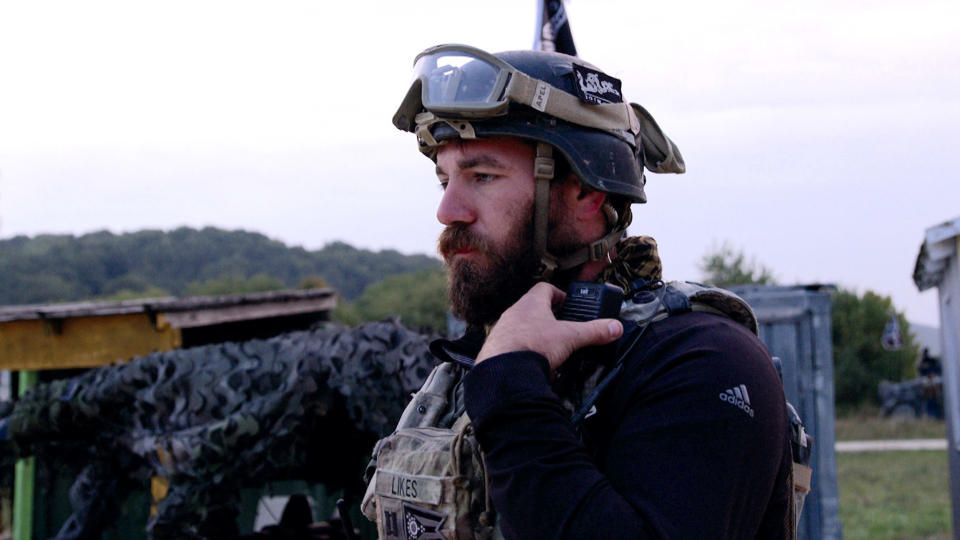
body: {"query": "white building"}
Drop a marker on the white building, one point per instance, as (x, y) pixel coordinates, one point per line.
(938, 265)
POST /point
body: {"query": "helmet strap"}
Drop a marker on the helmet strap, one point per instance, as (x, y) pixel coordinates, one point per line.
(543, 169)
(594, 252)
(599, 249)
(543, 172)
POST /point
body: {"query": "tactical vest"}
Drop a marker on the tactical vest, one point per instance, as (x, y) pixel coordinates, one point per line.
(427, 479)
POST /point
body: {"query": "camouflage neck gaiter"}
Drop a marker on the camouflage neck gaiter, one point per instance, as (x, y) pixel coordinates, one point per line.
(637, 264)
(636, 267)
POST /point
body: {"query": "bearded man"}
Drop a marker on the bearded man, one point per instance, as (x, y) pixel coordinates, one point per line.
(668, 423)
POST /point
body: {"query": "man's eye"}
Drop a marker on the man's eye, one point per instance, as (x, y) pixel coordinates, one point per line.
(443, 186)
(484, 177)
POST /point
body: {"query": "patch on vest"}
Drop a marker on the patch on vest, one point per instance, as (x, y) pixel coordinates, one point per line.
(416, 488)
(595, 87)
(405, 521)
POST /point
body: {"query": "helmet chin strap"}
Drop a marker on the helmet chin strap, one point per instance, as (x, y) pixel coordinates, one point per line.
(543, 172)
(543, 169)
(598, 249)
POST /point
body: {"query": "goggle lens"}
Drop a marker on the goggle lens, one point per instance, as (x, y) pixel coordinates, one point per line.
(455, 79)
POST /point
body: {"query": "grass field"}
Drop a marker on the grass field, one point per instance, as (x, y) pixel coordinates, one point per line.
(867, 426)
(893, 495)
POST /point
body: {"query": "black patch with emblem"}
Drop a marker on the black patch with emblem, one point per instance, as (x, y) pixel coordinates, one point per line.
(595, 87)
(421, 524)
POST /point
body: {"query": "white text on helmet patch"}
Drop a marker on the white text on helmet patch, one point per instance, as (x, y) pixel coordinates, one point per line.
(595, 87)
(540, 96)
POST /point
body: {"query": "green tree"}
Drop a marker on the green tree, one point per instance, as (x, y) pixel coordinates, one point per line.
(313, 282)
(418, 299)
(857, 322)
(135, 294)
(234, 285)
(58, 268)
(860, 361)
(725, 266)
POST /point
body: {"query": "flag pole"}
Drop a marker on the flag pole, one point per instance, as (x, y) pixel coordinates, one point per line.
(538, 31)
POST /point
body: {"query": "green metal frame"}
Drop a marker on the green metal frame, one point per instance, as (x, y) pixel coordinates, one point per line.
(23, 483)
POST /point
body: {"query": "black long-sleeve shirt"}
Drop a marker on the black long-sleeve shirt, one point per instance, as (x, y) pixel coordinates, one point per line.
(690, 441)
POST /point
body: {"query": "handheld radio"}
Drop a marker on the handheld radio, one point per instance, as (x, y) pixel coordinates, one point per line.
(587, 301)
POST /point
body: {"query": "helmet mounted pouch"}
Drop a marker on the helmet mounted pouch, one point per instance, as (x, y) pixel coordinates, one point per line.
(661, 153)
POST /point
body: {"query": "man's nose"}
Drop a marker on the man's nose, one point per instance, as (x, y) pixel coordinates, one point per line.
(455, 205)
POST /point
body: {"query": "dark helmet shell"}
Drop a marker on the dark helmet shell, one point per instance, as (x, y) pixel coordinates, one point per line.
(608, 162)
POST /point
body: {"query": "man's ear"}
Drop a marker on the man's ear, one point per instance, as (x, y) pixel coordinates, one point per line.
(590, 203)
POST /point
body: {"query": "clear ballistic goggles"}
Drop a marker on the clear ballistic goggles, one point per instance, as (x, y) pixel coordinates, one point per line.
(465, 82)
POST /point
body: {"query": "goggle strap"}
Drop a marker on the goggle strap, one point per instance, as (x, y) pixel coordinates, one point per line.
(543, 171)
(555, 102)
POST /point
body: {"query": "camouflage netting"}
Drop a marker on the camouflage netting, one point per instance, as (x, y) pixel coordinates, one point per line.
(214, 419)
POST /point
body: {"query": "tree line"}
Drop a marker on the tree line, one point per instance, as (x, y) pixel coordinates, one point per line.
(182, 262)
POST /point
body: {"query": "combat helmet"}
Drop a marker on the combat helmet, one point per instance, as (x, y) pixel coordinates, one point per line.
(555, 100)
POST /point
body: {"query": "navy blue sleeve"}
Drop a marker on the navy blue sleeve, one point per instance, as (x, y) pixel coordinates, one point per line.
(690, 442)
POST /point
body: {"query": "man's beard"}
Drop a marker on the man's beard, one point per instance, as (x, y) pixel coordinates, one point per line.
(496, 277)
(483, 288)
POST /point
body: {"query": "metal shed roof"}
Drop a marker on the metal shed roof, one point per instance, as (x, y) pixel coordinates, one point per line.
(939, 245)
(182, 312)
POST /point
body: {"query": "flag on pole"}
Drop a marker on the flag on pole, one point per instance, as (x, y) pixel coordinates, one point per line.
(892, 338)
(553, 28)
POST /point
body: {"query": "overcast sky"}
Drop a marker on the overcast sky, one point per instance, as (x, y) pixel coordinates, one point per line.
(820, 137)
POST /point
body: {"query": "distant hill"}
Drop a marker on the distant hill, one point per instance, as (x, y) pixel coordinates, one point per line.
(57, 268)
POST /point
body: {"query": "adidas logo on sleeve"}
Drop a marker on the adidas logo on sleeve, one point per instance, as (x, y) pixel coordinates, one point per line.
(738, 397)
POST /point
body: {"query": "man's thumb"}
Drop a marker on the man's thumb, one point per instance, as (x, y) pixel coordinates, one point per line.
(599, 332)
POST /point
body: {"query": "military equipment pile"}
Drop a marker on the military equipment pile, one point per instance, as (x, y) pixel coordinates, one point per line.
(213, 419)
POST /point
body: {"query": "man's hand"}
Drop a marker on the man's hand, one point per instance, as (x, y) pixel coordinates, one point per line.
(530, 325)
